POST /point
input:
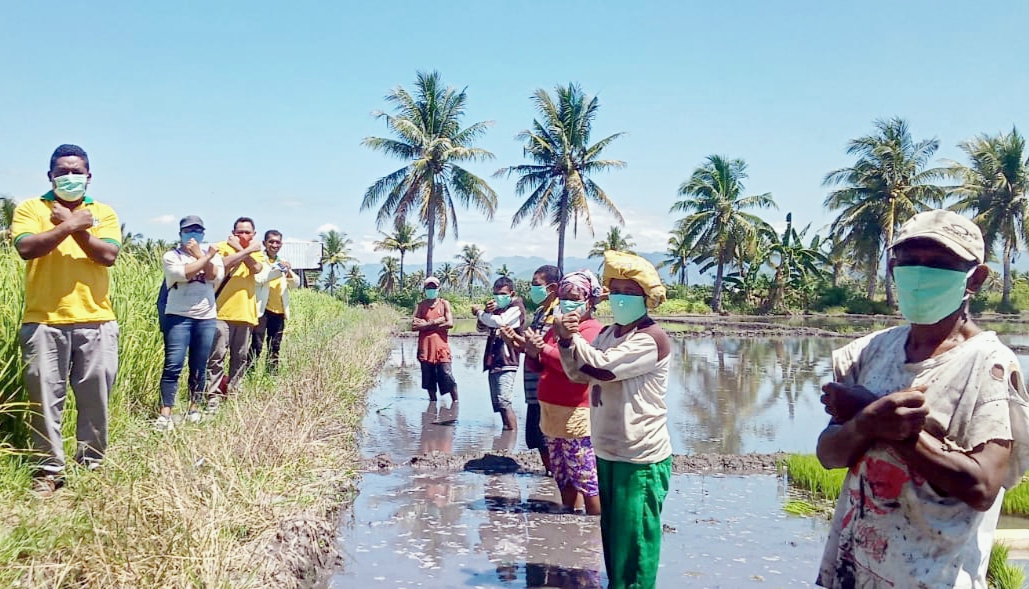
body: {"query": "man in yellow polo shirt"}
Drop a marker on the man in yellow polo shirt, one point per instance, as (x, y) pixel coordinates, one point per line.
(69, 328)
(237, 307)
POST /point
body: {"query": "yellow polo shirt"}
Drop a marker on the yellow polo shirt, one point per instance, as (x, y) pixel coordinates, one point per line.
(65, 287)
(238, 300)
(276, 287)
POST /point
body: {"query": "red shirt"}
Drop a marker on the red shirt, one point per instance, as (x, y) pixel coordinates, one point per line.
(554, 386)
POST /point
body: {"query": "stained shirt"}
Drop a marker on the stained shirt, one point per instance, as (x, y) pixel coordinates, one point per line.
(890, 527)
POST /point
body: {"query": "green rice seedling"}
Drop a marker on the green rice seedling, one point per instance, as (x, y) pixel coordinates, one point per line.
(800, 507)
(1000, 574)
(807, 473)
(1016, 501)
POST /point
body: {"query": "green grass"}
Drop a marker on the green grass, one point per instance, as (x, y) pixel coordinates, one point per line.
(205, 505)
(1000, 574)
(805, 472)
(1016, 501)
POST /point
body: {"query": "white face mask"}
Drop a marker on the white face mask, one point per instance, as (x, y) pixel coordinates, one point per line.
(71, 187)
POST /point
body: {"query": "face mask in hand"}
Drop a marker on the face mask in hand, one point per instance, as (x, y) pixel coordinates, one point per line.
(503, 301)
(627, 308)
(71, 187)
(926, 295)
(569, 306)
(197, 235)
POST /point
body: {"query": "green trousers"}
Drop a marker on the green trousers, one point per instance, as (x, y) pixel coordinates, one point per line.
(631, 496)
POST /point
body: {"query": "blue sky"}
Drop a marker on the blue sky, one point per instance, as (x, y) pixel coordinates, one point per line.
(229, 108)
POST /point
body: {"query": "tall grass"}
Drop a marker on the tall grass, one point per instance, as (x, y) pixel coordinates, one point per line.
(242, 499)
(1000, 574)
(134, 284)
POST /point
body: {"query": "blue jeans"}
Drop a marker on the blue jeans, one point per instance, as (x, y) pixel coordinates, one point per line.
(182, 333)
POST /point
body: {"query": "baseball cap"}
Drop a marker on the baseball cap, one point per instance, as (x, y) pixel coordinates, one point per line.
(955, 232)
(191, 220)
(431, 281)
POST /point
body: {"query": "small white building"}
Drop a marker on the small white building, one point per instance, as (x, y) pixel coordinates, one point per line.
(305, 256)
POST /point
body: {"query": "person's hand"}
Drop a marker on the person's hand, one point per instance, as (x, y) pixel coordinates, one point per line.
(286, 265)
(595, 396)
(843, 402)
(533, 342)
(491, 306)
(254, 247)
(895, 417)
(566, 324)
(235, 243)
(78, 220)
(211, 251)
(81, 220)
(193, 248)
(511, 336)
(476, 309)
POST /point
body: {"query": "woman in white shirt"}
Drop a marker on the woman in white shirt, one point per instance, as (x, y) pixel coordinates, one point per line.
(191, 276)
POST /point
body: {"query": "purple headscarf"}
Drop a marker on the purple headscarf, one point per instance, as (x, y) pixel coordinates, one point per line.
(582, 282)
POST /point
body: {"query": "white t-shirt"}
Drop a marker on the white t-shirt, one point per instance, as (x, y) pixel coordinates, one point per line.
(193, 298)
(890, 528)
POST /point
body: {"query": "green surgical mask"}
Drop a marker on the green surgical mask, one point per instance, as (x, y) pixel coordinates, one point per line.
(503, 301)
(538, 294)
(569, 306)
(431, 293)
(926, 295)
(627, 308)
(71, 187)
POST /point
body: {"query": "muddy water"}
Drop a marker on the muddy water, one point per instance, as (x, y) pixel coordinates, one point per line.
(464, 529)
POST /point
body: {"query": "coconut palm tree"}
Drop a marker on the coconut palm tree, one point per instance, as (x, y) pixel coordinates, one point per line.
(429, 137)
(471, 268)
(614, 240)
(889, 182)
(335, 252)
(505, 271)
(994, 189)
(129, 240)
(716, 206)
(678, 256)
(404, 239)
(388, 277)
(559, 180)
(447, 275)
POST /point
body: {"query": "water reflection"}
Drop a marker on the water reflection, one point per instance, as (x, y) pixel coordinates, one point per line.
(726, 395)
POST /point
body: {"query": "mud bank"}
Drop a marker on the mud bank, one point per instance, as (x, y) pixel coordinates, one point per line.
(529, 462)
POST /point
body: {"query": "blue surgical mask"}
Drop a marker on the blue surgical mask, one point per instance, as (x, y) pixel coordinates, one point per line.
(627, 308)
(71, 187)
(197, 235)
(503, 301)
(431, 293)
(926, 295)
(538, 294)
(569, 306)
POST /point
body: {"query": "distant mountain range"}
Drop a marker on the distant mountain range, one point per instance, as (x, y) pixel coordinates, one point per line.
(524, 266)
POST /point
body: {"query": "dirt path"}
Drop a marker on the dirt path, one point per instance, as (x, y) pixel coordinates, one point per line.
(529, 462)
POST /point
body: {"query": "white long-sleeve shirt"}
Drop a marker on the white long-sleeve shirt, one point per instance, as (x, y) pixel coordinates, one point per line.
(631, 424)
(511, 317)
(190, 298)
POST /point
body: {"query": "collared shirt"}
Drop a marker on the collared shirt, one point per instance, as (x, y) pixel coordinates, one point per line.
(66, 287)
(238, 299)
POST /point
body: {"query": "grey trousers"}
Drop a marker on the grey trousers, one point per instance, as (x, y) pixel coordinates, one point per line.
(85, 356)
(232, 338)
